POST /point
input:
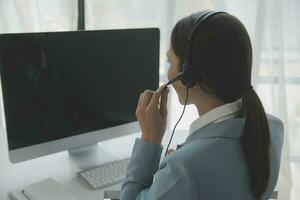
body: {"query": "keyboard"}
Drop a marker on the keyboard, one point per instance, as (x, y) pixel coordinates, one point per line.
(105, 175)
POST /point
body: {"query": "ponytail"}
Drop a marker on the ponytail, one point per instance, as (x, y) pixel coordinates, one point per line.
(256, 142)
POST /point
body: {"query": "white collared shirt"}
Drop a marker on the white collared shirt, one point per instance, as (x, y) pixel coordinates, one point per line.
(218, 114)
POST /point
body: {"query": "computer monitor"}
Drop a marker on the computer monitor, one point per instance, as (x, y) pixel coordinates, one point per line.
(69, 90)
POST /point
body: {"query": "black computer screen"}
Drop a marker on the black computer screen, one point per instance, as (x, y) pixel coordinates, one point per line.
(61, 84)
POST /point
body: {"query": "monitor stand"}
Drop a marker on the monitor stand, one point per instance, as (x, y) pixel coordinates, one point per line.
(90, 156)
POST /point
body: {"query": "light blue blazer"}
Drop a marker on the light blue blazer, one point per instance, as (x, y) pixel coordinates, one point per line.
(209, 166)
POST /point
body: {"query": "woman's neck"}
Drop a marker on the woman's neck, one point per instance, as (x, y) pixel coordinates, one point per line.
(207, 103)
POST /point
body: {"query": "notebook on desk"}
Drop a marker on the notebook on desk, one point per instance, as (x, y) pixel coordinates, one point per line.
(47, 189)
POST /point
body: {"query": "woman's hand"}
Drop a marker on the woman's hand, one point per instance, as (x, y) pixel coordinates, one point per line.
(152, 114)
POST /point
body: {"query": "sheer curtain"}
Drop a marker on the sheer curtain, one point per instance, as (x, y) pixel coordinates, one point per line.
(37, 15)
(273, 26)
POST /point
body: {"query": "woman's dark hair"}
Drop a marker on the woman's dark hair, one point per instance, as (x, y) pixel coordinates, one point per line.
(221, 58)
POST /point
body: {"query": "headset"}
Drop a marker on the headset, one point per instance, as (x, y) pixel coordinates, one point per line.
(186, 74)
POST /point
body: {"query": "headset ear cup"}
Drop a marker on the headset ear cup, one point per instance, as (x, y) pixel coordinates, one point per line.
(188, 78)
(184, 75)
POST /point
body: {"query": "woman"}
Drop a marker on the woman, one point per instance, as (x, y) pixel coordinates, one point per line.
(233, 148)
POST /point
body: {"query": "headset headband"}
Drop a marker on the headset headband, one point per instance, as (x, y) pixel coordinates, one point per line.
(200, 19)
(187, 77)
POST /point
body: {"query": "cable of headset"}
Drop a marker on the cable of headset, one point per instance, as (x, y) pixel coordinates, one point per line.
(187, 94)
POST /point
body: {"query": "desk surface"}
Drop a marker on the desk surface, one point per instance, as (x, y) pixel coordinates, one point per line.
(60, 167)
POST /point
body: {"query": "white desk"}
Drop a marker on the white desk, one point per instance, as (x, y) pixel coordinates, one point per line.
(60, 167)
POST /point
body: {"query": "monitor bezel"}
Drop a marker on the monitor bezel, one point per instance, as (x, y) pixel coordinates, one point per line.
(73, 142)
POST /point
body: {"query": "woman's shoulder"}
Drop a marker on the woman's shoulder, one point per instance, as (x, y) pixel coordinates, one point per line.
(212, 161)
(276, 128)
(274, 121)
(221, 147)
(207, 153)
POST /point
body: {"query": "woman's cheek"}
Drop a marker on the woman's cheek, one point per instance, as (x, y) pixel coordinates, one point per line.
(171, 73)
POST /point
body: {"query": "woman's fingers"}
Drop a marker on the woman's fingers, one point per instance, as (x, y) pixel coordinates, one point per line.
(155, 99)
(146, 98)
(150, 99)
(139, 102)
(163, 102)
(152, 122)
